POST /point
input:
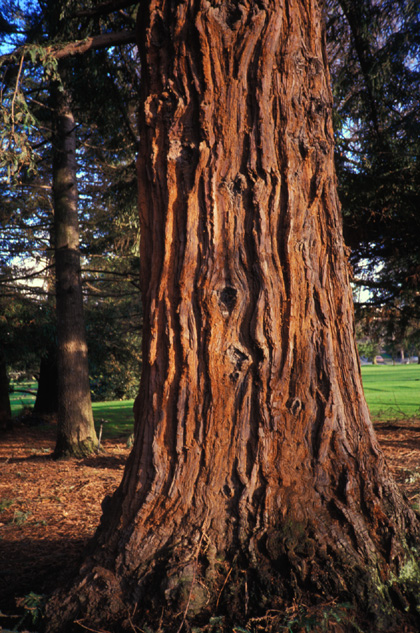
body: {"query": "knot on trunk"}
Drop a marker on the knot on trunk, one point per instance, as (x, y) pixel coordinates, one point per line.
(294, 405)
(228, 298)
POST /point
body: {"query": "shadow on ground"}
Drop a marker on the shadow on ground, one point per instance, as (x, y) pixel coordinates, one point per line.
(37, 566)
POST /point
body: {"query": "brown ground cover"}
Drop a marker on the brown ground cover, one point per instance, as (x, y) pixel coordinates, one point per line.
(49, 509)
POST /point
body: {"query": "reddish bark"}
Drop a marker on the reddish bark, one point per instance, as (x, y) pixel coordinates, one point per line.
(255, 476)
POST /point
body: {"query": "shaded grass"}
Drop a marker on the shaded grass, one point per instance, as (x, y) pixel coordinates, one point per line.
(21, 399)
(392, 391)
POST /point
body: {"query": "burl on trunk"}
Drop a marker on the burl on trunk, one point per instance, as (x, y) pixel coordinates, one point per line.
(255, 477)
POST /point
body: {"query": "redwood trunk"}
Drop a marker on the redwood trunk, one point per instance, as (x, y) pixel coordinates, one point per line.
(76, 432)
(255, 477)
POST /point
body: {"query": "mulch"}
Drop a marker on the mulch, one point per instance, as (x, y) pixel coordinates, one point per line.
(400, 441)
(49, 509)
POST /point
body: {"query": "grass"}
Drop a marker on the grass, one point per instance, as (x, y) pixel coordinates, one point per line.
(392, 391)
(20, 399)
(116, 417)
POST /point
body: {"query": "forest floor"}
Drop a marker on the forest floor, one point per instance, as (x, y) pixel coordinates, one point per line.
(49, 509)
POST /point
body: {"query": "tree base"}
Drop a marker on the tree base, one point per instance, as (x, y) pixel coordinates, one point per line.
(66, 449)
(287, 584)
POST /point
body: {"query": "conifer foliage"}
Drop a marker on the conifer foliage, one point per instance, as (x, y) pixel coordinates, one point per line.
(374, 50)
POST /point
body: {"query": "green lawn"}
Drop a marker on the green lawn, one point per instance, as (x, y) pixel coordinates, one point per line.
(392, 391)
(116, 416)
(20, 399)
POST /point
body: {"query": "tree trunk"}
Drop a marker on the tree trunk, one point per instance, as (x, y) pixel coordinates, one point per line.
(255, 478)
(46, 402)
(5, 410)
(76, 432)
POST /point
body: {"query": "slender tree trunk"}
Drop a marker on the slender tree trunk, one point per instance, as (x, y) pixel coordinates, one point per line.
(76, 432)
(5, 410)
(255, 478)
(46, 402)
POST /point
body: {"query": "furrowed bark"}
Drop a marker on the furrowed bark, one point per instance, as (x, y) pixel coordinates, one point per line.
(255, 477)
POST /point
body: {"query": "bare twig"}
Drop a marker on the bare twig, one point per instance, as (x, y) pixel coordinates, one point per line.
(104, 40)
(78, 47)
(135, 628)
(15, 94)
(105, 8)
(80, 623)
(31, 391)
(223, 586)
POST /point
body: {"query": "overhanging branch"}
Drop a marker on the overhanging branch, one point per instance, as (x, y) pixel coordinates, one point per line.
(105, 40)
